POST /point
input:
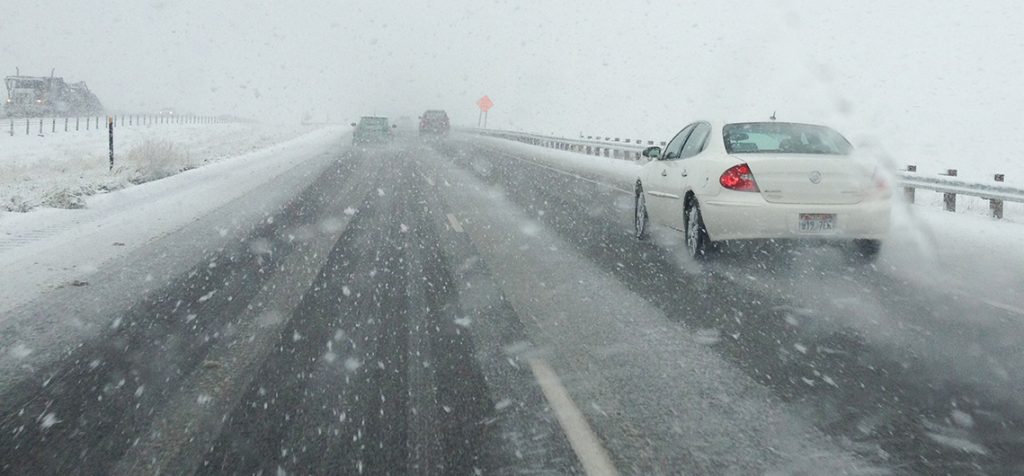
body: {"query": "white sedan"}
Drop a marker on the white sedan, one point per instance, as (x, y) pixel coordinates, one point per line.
(762, 181)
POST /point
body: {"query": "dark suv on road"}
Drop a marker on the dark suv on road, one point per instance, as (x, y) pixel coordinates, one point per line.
(434, 122)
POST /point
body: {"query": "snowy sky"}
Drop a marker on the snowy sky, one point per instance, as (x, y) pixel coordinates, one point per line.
(921, 70)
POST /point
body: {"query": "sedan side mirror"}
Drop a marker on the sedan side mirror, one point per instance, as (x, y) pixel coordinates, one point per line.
(353, 124)
(653, 152)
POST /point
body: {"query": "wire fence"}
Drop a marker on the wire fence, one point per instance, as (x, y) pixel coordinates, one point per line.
(42, 126)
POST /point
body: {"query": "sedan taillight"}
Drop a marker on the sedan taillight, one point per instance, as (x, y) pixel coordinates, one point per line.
(739, 178)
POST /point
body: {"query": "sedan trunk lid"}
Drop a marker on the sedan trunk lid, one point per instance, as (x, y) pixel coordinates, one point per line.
(810, 178)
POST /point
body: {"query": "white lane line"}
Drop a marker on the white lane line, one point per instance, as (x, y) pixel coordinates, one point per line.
(563, 172)
(1005, 307)
(992, 303)
(584, 442)
(454, 222)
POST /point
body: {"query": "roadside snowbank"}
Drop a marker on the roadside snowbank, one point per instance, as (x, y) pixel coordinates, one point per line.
(622, 173)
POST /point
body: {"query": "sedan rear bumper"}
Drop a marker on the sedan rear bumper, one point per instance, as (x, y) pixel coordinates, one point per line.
(749, 217)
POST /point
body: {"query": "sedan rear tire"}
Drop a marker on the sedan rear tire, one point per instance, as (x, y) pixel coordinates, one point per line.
(698, 244)
(640, 219)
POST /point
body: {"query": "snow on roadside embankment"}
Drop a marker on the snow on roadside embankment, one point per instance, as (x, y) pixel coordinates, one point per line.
(59, 170)
(619, 172)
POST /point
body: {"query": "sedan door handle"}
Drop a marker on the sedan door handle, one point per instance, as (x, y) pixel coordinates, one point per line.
(664, 173)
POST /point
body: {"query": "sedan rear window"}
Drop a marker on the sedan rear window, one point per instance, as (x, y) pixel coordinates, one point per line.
(783, 138)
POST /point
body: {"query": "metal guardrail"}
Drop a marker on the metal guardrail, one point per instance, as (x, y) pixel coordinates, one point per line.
(949, 186)
(627, 149)
(630, 149)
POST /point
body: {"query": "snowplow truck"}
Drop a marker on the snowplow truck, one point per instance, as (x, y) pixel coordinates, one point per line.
(31, 96)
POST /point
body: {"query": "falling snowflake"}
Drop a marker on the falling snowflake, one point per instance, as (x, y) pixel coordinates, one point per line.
(207, 296)
(20, 351)
(48, 420)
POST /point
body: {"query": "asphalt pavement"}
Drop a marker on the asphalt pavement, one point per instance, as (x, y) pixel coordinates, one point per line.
(453, 306)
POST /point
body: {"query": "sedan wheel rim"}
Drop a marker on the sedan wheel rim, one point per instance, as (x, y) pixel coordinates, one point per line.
(691, 231)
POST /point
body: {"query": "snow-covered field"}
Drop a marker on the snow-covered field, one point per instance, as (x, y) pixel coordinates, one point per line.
(50, 248)
(59, 170)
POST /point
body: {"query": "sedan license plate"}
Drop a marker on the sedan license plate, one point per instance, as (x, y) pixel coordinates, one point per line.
(817, 222)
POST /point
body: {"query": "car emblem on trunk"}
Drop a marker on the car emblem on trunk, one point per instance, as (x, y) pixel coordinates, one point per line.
(815, 177)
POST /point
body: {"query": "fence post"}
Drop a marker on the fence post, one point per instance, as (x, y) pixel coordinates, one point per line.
(908, 192)
(997, 205)
(110, 127)
(949, 199)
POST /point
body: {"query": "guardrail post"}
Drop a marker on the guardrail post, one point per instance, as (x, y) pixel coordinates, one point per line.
(65, 123)
(28, 124)
(53, 126)
(908, 192)
(77, 120)
(997, 205)
(12, 127)
(40, 127)
(949, 199)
